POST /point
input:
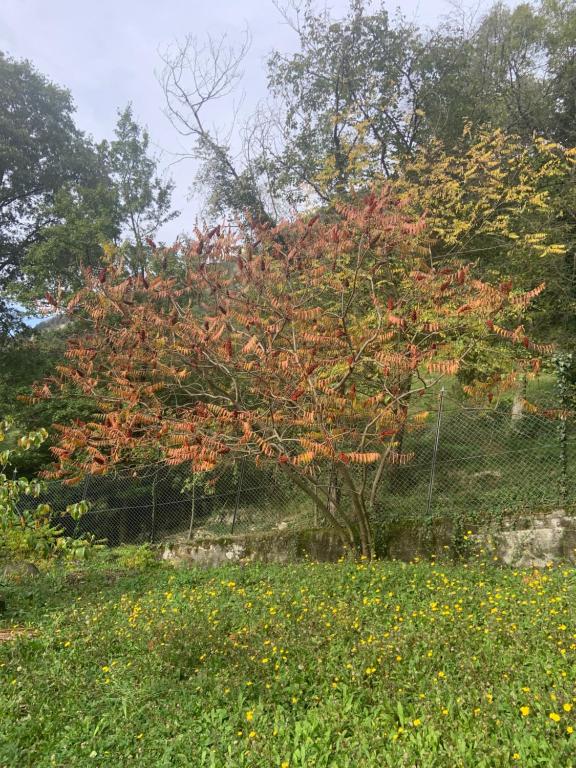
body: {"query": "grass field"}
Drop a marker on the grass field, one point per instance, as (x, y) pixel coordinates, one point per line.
(344, 665)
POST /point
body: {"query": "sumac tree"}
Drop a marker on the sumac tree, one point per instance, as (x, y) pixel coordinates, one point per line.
(298, 346)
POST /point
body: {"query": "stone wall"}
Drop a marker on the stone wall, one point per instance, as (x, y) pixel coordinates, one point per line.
(524, 542)
(319, 545)
(534, 541)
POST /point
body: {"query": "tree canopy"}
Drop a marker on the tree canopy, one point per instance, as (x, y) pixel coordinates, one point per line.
(372, 83)
(41, 151)
(298, 346)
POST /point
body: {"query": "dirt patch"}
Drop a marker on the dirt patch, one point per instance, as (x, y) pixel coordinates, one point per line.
(11, 633)
(79, 577)
(75, 577)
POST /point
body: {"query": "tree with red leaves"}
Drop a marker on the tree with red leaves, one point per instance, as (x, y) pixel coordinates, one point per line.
(298, 346)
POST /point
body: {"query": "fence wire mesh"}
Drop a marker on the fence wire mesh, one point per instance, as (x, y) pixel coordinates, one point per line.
(488, 462)
(468, 463)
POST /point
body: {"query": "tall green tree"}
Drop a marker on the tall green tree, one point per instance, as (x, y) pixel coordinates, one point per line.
(559, 17)
(124, 203)
(79, 220)
(144, 199)
(41, 150)
(62, 196)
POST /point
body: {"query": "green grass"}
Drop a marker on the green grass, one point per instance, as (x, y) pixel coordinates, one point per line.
(307, 665)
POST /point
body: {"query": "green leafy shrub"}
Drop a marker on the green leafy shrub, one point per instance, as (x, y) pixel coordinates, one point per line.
(31, 533)
(136, 558)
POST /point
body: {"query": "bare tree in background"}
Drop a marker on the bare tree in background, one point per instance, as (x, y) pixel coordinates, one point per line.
(194, 76)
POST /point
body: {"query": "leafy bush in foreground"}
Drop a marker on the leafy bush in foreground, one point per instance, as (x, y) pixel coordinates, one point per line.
(30, 532)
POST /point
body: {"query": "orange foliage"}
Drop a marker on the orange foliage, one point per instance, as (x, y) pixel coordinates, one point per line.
(297, 345)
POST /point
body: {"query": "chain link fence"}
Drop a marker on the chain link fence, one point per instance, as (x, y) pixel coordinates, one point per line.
(482, 463)
(161, 504)
(468, 463)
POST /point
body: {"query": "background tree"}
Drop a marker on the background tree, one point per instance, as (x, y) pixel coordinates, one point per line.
(372, 90)
(41, 150)
(489, 72)
(79, 221)
(348, 84)
(194, 77)
(559, 18)
(144, 200)
(125, 204)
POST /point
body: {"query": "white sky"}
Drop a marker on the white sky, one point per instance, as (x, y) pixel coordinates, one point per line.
(106, 54)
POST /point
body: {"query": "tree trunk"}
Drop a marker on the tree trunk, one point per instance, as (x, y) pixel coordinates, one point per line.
(342, 527)
(364, 529)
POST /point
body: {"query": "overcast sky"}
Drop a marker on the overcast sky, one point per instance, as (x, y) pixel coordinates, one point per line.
(107, 54)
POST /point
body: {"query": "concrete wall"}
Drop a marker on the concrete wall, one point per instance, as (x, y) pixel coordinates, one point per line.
(319, 545)
(523, 542)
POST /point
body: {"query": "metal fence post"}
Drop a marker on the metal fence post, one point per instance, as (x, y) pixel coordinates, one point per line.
(563, 439)
(153, 525)
(238, 491)
(193, 508)
(435, 452)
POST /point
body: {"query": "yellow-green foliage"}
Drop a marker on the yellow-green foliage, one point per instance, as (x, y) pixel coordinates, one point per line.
(493, 199)
(495, 186)
(135, 558)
